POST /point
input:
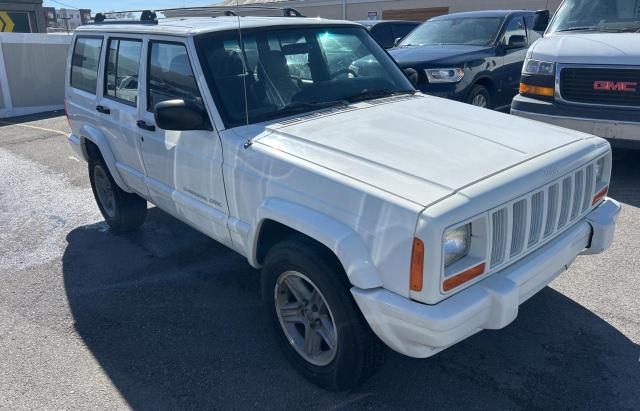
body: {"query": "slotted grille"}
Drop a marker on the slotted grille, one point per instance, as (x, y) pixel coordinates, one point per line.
(499, 236)
(527, 222)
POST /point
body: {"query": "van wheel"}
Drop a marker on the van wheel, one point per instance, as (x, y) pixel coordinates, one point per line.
(121, 210)
(480, 97)
(315, 318)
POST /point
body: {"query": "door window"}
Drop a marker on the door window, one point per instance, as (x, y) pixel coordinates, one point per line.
(401, 30)
(123, 64)
(516, 27)
(84, 63)
(170, 75)
(384, 36)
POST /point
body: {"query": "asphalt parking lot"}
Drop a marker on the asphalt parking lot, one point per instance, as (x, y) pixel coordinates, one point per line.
(167, 318)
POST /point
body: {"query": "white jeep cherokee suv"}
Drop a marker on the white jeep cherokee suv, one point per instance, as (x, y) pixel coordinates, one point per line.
(376, 213)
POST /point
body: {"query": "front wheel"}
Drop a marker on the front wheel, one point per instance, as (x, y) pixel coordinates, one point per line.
(315, 318)
(480, 97)
(121, 210)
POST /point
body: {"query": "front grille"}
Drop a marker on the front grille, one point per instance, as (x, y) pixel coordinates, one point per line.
(525, 223)
(603, 86)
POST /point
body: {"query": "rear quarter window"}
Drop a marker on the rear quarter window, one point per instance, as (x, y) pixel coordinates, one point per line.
(84, 63)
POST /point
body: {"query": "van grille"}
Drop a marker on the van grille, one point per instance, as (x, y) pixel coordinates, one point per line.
(526, 223)
(578, 85)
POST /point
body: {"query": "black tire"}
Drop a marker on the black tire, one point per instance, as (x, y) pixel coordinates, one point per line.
(480, 91)
(127, 211)
(359, 353)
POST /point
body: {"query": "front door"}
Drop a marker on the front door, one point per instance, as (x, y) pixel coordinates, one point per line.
(513, 59)
(183, 168)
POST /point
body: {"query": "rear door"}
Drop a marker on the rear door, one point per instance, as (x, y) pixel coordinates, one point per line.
(183, 168)
(81, 95)
(118, 106)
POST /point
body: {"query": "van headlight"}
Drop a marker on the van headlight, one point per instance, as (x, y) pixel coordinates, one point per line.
(444, 75)
(457, 242)
(532, 66)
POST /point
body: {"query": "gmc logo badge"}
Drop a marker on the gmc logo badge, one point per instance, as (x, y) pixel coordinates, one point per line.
(627, 86)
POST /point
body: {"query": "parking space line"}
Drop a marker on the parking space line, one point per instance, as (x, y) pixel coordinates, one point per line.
(34, 127)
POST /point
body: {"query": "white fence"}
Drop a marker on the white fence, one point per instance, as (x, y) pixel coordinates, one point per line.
(32, 69)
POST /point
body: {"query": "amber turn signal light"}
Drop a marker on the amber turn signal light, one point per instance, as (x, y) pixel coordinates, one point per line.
(537, 90)
(463, 277)
(417, 265)
(600, 195)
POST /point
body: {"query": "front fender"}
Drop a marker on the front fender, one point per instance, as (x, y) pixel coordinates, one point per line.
(345, 243)
(99, 139)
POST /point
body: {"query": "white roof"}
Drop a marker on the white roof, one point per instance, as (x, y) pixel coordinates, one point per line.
(189, 26)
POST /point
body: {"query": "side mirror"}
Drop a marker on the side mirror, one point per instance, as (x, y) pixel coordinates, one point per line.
(517, 42)
(412, 75)
(397, 41)
(180, 115)
(541, 20)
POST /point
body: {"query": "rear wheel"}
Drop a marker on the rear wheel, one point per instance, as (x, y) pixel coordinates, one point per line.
(316, 320)
(480, 97)
(121, 210)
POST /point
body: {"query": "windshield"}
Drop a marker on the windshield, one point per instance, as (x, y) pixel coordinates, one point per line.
(481, 31)
(295, 70)
(597, 15)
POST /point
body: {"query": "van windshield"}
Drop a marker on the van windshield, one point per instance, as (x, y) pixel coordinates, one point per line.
(294, 70)
(598, 16)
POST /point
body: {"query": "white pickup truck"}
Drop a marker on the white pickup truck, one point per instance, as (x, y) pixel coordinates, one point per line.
(376, 213)
(585, 73)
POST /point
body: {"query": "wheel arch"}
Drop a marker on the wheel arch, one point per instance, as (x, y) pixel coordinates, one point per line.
(90, 135)
(278, 219)
(488, 83)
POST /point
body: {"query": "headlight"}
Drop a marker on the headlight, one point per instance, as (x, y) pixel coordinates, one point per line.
(539, 67)
(444, 75)
(456, 244)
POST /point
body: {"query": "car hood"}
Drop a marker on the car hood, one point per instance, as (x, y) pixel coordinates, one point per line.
(589, 48)
(420, 148)
(411, 56)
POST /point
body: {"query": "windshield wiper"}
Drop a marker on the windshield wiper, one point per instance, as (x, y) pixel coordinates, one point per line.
(373, 94)
(579, 29)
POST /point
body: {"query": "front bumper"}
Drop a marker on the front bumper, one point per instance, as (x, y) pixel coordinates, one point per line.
(613, 124)
(420, 330)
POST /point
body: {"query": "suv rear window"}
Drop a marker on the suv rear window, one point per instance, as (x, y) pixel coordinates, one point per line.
(84, 63)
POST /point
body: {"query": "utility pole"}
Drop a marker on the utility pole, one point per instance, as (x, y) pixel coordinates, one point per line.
(344, 9)
(66, 22)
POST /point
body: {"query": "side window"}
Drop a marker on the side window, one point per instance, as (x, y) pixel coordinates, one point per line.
(384, 36)
(533, 35)
(401, 30)
(516, 27)
(123, 64)
(170, 75)
(84, 63)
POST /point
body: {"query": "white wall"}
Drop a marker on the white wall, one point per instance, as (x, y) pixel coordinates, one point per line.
(32, 69)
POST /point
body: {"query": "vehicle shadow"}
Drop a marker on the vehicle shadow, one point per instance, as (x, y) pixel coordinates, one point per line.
(175, 321)
(625, 177)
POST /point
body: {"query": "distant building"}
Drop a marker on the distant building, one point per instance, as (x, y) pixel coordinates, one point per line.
(50, 20)
(22, 16)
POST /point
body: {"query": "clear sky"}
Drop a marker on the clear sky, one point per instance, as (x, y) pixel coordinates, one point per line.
(108, 5)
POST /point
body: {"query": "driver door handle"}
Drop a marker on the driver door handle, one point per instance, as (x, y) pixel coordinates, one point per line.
(143, 125)
(103, 109)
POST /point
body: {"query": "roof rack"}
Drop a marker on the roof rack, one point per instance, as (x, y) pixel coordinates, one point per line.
(151, 16)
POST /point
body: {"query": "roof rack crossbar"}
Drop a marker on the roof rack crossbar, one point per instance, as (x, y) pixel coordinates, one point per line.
(151, 16)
